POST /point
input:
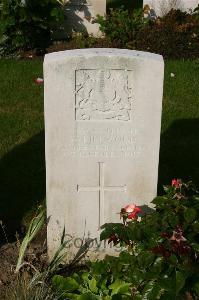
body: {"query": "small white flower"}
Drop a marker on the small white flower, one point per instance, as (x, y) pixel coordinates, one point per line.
(172, 75)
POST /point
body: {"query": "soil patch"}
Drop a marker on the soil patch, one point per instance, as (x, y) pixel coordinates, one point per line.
(8, 259)
(36, 255)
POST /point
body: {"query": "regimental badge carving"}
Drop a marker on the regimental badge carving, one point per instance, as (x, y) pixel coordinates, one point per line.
(103, 95)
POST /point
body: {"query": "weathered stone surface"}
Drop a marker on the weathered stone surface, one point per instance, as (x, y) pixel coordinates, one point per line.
(102, 127)
(81, 15)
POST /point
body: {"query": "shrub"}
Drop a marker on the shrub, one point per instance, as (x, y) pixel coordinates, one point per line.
(122, 26)
(176, 35)
(27, 24)
(160, 259)
(163, 248)
(128, 4)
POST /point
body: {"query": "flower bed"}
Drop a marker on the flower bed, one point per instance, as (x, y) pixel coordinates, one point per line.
(159, 257)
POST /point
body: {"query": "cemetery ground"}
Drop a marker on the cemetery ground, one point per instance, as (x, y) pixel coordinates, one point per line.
(22, 164)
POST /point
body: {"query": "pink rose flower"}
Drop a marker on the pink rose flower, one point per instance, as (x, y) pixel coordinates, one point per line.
(176, 183)
(133, 215)
(132, 211)
(129, 208)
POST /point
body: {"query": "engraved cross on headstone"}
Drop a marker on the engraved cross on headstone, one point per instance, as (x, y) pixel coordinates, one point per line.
(101, 188)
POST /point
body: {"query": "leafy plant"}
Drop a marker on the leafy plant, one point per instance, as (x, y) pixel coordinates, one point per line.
(27, 24)
(122, 26)
(162, 248)
(35, 225)
(89, 286)
(35, 285)
(175, 35)
(159, 260)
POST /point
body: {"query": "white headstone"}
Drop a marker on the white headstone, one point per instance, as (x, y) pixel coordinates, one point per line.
(162, 7)
(81, 15)
(102, 127)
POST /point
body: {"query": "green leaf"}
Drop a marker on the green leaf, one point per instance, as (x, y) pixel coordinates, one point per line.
(67, 284)
(103, 286)
(138, 296)
(152, 291)
(120, 287)
(190, 215)
(160, 200)
(71, 296)
(108, 229)
(120, 297)
(195, 246)
(88, 296)
(35, 225)
(158, 264)
(54, 12)
(85, 277)
(196, 288)
(167, 282)
(145, 259)
(180, 281)
(93, 285)
(168, 296)
(196, 226)
(173, 259)
(173, 219)
(77, 278)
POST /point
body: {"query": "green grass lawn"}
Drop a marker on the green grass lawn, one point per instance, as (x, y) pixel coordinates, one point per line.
(179, 150)
(22, 163)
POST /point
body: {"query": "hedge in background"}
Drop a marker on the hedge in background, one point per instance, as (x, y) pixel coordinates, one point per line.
(27, 24)
(122, 27)
(176, 35)
(127, 4)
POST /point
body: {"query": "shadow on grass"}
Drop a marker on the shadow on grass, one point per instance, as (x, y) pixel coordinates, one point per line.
(179, 152)
(22, 183)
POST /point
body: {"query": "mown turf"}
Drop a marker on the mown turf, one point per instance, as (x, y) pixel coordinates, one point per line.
(22, 163)
(22, 167)
(179, 151)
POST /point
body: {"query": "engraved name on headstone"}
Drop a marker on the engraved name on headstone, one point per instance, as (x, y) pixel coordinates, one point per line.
(102, 128)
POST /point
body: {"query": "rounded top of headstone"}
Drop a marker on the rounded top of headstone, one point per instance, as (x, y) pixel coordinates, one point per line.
(90, 52)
